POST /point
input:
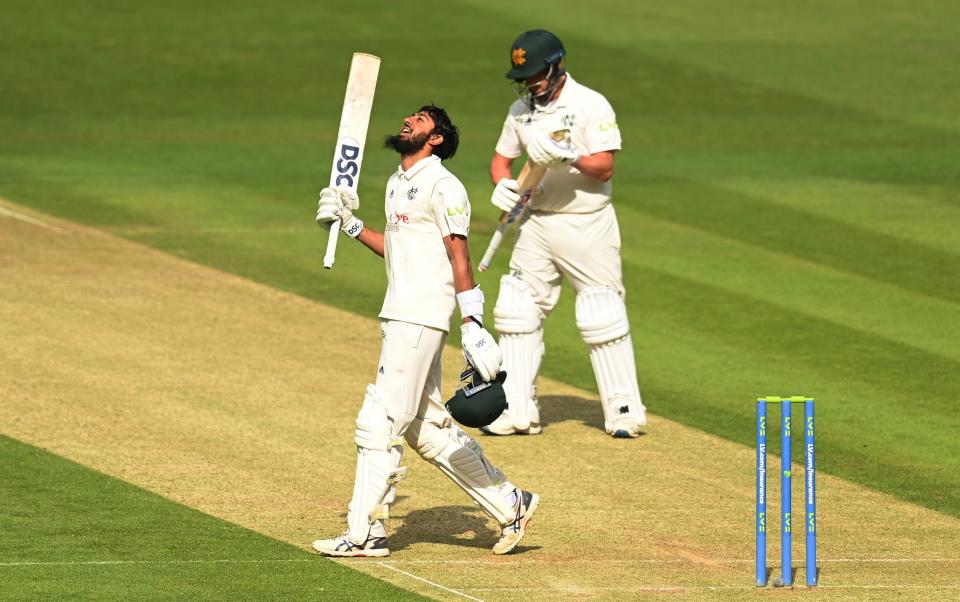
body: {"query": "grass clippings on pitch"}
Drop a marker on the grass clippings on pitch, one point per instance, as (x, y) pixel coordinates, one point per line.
(238, 400)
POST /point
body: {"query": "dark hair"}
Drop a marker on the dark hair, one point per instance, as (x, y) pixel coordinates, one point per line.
(444, 127)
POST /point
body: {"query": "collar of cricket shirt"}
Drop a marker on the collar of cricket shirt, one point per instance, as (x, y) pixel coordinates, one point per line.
(418, 167)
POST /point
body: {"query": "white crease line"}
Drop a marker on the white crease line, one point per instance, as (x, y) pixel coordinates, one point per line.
(452, 591)
(102, 562)
(893, 560)
(639, 588)
(668, 561)
(28, 219)
(682, 588)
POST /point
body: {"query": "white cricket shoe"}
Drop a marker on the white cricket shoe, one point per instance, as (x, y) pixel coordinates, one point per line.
(527, 503)
(627, 427)
(342, 546)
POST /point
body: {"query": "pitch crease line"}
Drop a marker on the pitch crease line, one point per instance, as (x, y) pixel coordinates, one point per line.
(418, 578)
(30, 220)
(197, 561)
(682, 588)
(669, 561)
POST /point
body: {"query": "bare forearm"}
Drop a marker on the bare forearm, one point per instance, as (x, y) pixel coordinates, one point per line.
(598, 165)
(462, 271)
(459, 254)
(500, 168)
(372, 239)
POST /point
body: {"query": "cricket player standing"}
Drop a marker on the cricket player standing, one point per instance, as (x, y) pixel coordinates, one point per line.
(428, 268)
(569, 232)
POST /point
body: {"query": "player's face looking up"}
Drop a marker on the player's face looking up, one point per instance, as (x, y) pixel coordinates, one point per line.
(417, 131)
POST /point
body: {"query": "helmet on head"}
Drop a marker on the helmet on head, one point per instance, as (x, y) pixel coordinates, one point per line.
(478, 403)
(534, 51)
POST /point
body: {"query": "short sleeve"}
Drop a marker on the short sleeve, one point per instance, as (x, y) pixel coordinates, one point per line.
(602, 132)
(451, 207)
(509, 143)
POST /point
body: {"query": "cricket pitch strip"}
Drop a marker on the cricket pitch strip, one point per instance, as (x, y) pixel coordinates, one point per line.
(209, 389)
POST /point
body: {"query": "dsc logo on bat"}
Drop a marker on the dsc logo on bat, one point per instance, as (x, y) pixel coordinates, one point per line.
(347, 165)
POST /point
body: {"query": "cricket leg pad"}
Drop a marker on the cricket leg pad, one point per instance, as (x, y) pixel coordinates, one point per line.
(460, 458)
(518, 320)
(378, 466)
(602, 320)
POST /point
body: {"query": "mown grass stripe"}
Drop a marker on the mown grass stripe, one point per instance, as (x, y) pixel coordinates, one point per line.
(747, 218)
(51, 507)
(803, 286)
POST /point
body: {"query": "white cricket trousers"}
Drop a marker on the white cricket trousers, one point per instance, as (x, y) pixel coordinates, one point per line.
(408, 375)
(584, 248)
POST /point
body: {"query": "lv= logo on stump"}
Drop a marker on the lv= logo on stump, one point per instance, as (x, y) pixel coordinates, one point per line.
(786, 491)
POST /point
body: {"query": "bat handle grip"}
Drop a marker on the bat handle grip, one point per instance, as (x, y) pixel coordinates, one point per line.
(331, 255)
(495, 241)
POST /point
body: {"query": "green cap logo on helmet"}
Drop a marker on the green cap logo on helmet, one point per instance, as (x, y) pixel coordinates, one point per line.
(478, 403)
(534, 51)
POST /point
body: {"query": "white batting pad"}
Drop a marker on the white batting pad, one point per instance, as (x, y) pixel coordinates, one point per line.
(616, 372)
(378, 465)
(602, 320)
(518, 320)
(601, 315)
(516, 312)
(522, 354)
(461, 458)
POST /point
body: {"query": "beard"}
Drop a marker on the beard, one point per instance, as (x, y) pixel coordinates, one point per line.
(405, 146)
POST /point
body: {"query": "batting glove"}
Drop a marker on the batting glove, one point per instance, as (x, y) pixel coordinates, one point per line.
(335, 205)
(544, 150)
(480, 350)
(506, 195)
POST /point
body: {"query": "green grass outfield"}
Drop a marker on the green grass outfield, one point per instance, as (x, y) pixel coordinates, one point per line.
(74, 534)
(788, 190)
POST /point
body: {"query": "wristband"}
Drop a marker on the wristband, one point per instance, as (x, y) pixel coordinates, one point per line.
(471, 304)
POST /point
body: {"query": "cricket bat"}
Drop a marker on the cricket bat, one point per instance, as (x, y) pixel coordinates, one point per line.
(528, 180)
(354, 120)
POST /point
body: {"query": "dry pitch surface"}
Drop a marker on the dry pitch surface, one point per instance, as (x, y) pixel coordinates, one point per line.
(239, 400)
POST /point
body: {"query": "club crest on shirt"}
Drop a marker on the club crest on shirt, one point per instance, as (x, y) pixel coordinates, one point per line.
(411, 194)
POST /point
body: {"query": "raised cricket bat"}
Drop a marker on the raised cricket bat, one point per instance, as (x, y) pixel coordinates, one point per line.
(354, 119)
(528, 180)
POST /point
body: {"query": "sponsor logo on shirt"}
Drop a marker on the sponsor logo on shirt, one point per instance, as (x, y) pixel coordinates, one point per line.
(395, 220)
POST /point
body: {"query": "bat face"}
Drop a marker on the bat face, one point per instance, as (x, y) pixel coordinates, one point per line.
(354, 119)
(347, 164)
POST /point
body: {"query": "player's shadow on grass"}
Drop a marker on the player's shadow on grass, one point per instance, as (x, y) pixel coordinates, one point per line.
(560, 408)
(449, 525)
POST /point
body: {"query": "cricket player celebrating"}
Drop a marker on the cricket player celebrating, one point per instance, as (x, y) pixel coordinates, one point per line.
(569, 231)
(428, 268)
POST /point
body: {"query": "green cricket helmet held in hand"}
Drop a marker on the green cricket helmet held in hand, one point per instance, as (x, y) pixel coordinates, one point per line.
(478, 403)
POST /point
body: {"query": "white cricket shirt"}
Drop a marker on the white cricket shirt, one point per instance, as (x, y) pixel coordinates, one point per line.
(423, 205)
(593, 128)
